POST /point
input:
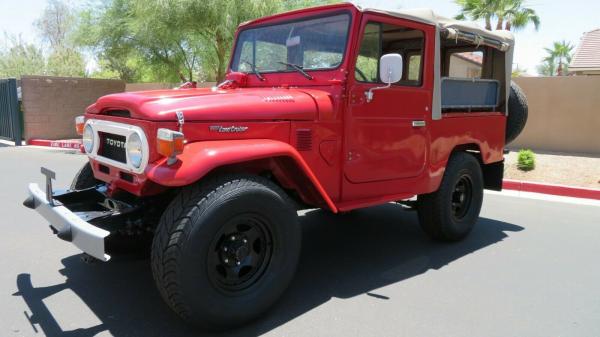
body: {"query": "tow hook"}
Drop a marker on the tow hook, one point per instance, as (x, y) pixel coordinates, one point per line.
(115, 205)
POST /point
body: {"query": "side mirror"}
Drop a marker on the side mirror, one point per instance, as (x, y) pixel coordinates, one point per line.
(390, 71)
(390, 68)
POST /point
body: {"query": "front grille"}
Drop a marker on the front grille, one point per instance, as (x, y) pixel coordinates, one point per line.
(112, 147)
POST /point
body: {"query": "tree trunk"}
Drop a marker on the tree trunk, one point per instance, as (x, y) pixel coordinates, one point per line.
(500, 23)
(221, 49)
(181, 76)
(559, 71)
(508, 25)
(488, 22)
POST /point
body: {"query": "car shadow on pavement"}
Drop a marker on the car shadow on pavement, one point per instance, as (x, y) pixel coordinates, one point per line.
(343, 256)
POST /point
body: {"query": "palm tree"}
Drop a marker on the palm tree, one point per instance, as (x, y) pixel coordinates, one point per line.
(510, 14)
(547, 67)
(518, 17)
(477, 10)
(560, 54)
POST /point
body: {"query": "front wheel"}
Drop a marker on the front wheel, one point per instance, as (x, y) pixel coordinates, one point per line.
(225, 250)
(450, 213)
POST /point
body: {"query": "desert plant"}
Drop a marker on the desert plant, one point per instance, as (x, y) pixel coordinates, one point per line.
(526, 160)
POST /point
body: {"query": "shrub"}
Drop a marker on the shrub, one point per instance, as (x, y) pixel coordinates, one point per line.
(526, 160)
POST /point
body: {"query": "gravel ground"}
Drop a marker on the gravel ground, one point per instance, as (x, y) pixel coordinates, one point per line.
(557, 168)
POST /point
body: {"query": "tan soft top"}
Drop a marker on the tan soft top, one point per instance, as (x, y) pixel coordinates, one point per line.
(471, 31)
(428, 16)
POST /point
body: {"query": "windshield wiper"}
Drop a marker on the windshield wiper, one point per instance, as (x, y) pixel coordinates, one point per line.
(254, 70)
(297, 68)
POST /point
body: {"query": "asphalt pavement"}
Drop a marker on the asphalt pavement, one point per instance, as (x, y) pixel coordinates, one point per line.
(529, 268)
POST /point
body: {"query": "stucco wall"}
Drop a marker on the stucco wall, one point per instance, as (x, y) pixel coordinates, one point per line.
(564, 114)
(50, 104)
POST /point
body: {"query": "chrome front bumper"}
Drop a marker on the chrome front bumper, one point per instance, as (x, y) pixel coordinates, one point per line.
(68, 225)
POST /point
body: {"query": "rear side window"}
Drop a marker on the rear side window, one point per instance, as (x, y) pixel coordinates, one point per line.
(380, 39)
(466, 64)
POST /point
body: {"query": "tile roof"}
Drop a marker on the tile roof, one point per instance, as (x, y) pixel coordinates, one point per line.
(587, 55)
(472, 57)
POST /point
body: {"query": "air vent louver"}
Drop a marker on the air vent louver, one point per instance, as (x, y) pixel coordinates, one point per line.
(118, 113)
(304, 139)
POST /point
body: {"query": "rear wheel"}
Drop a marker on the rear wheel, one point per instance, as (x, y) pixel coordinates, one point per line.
(225, 250)
(450, 213)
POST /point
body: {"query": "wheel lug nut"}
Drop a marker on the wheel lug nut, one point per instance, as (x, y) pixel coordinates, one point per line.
(224, 249)
(226, 260)
(232, 238)
(238, 263)
(245, 241)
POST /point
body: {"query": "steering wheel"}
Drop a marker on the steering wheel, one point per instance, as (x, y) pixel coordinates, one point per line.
(361, 74)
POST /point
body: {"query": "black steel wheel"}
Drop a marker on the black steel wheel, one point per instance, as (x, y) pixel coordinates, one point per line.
(225, 250)
(240, 253)
(450, 213)
(462, 197)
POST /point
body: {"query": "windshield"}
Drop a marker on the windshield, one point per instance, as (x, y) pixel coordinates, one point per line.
(309, 44)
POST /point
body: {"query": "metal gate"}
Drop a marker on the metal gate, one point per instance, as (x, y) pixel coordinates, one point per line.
(10, 121)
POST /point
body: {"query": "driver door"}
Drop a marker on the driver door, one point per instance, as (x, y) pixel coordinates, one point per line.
(387, 137)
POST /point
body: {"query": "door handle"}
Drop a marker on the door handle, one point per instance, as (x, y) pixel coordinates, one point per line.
(418, 124)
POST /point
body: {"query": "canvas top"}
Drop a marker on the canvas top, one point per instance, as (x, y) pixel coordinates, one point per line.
(428, 16)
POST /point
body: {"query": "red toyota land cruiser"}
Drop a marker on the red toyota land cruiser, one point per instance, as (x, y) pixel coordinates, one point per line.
(334, 107)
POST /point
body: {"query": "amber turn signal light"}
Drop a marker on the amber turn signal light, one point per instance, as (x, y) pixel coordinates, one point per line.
(169, 143)
(79, 124)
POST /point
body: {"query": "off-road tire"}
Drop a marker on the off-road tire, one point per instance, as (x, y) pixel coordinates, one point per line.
(188, 237)
(84, 178)
(518, 111)
(436, 211)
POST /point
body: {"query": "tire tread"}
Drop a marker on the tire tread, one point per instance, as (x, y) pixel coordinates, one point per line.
(175, 226)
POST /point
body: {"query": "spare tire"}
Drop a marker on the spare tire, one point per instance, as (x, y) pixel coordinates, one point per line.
(517, 113)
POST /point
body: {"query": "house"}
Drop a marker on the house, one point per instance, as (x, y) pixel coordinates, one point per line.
(586, 60)
(466, 64)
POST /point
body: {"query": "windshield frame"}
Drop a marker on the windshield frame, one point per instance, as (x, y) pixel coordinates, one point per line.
(299, 19)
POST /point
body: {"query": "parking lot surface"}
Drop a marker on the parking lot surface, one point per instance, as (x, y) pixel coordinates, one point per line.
(530, 268)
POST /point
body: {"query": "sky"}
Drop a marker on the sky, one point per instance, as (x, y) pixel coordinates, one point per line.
(561, 20)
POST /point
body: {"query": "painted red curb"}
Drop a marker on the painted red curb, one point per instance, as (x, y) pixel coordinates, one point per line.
(562, 190)
(74, 144)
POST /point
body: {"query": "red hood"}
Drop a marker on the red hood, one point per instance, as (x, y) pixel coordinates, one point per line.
(206, 104)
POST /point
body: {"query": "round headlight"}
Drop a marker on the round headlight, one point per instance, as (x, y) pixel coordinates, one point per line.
(88, 138)
(134, 150)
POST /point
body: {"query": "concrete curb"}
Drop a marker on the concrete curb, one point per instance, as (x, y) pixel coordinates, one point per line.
(561, 190)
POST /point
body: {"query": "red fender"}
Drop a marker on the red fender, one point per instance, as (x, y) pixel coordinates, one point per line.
(199, 158)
